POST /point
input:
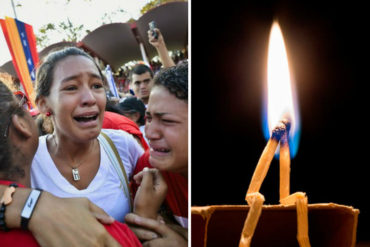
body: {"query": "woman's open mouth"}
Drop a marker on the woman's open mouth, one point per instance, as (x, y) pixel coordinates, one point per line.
(87, 120)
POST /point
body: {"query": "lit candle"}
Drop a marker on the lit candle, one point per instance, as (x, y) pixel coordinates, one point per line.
(264, 162)
(283, 125)
(281, 114)
(281, 104)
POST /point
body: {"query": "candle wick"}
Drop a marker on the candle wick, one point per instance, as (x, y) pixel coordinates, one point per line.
(278, 131)
(287, 122)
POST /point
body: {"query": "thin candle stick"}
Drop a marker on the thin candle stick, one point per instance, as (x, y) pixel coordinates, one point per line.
(302, 221)
(284, 167)
(300, 200)
(264, 162)
(256, 203)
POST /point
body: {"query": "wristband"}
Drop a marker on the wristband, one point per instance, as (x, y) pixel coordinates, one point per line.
(29, 207)
(6, 200)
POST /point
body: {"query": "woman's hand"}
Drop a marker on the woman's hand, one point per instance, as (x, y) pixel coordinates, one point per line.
(156, 42)
(150, 194)
(154, 233)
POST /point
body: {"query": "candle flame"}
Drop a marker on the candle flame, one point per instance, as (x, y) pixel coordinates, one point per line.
(281, 100)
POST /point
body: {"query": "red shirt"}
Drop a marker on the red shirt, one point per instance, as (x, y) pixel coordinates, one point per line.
(119, 122)
(20, 238)
(177, 193)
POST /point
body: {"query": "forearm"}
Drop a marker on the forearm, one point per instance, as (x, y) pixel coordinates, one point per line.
(60, 221)
(146, 213)
(164, 56)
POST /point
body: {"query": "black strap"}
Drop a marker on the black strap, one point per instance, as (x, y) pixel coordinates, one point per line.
(29, 207)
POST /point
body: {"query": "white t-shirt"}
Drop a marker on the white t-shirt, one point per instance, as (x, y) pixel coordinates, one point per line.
(142, 130)
(105, 190)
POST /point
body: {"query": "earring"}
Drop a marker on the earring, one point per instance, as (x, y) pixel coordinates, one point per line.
(48, 114)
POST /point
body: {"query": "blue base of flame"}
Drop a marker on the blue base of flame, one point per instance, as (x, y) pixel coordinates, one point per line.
(294, 134)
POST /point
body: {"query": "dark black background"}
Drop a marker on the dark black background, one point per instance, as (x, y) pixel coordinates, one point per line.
(328, 50)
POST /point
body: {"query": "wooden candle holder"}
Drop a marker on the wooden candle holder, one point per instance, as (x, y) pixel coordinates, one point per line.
(330, 225)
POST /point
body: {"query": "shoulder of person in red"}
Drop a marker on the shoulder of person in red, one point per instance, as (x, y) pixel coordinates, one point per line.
(19, 238)
(117, 121)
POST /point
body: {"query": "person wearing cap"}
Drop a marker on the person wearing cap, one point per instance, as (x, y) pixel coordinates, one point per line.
(134, 109)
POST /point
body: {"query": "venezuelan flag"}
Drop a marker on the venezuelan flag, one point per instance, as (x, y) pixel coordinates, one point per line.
(112, 84)
(22, 46)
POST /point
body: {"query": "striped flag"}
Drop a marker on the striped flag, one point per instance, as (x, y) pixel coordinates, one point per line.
(112, 84)
(22, 46)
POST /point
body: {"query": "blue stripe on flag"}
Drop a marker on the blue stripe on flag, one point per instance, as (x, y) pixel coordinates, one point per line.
(26, 48)
(112, 85)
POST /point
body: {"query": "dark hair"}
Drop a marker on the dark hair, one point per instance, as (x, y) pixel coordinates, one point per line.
(8, 107)
(139, 69)
(112, 106)
(44, 74)
(132, 104)
(175, 79)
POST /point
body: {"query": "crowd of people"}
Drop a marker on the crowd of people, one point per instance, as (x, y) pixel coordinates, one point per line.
(89, 171)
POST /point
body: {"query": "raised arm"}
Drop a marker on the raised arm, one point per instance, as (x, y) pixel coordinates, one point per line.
(161, 48)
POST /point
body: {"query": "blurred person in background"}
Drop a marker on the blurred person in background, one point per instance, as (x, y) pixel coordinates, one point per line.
(134, 109)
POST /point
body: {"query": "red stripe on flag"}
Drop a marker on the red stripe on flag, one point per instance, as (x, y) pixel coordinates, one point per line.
(32, 44)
